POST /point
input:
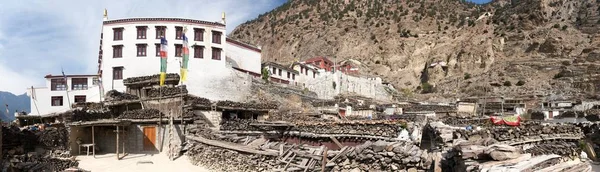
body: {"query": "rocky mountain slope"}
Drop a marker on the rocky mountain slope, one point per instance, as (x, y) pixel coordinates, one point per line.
(15, 103)
(449, 47)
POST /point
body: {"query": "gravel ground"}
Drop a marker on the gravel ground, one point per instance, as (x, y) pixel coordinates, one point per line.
(161, 162)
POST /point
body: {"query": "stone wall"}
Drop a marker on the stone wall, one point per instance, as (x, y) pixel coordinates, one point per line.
(344, 84)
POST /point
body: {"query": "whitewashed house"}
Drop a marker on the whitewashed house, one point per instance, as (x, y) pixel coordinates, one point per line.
(56, 95)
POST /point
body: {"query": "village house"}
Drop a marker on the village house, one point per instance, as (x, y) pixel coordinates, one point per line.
(219, 68)
(280, 74)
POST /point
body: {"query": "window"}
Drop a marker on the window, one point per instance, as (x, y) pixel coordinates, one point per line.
(178, 32)
(199, 52)
(314, 75)
(216, 53)
(96, 81)
(79, 84)
(178, 50)
(57, 100)
(198, 34)
(157, 50)
(58, 84)
(301, 69)
(274, 71)
(141, 50)
(288, 75)
(160, 31)
(141, 32)
(293, 76)
(117, 73)
(279, 72)
(79, 99)
(306, 72)
(118, 33)
(216, 37)
(117, 51)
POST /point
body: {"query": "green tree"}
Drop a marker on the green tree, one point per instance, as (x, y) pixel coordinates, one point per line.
(427, 88)
(467, 76)
(265, 74)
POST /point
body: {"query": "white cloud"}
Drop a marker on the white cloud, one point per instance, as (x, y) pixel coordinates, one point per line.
(40, 37)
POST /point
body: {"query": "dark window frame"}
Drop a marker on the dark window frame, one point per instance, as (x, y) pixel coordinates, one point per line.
(178, 32)
(141, 50)
(58, 84)
(56, 101)
(218, 54)
(118, 34)
(142, 32)
(160, 31)
(288, 75)
(117, 51)
(199, 54)
(157, 49)
(216, 37)
(178, 50)
(117, 73)
(198, 34)
(79, 83)
(279, 72)
(78, 98)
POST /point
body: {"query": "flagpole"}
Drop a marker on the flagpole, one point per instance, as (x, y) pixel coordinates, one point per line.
(35, 100)
(66, 88)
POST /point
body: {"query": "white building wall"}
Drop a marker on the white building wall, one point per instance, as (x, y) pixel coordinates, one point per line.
(150, 64)
(43, 97)
(243, 58)
(283, 75)
(322, 84)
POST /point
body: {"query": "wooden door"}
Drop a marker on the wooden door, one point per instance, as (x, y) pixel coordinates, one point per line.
(550, 115)
(149, 138)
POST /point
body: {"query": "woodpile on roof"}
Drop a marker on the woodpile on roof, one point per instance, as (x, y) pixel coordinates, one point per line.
(114, 95)
(167, 91)
(150, 80)
(382, 128)
(432, 108)
(141, 114)
(195, 100)
(247, 105)
(526, 132)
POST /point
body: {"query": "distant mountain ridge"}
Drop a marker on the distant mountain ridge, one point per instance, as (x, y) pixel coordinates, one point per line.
(15, 103)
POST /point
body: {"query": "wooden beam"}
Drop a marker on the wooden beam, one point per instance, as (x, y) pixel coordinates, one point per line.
(232, 146)
(324, 162)
(117, 143)
(93, 142)
(336, 142)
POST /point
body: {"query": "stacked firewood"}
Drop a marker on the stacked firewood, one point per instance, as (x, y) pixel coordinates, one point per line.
(83, 115)
(251, 104)
(54, 137)
(562, 148)
(13, 137)
(463, 122)
(373, 128)
(114, 95)
(383, 156)
(141, 114)
(194, 100)
(89, 105)
(151, 78)
(434, 108)
(219, 159)
(524, 132)
(167, 91)
(408, 117)
(35, 162)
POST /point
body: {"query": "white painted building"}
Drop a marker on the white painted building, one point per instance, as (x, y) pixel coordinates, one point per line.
(219, 68)
(280, 73)
(52, 98)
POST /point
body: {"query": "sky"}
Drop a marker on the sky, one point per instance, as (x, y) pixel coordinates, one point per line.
(39, 37)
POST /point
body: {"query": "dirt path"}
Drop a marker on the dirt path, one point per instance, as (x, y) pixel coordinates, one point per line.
(130, 163)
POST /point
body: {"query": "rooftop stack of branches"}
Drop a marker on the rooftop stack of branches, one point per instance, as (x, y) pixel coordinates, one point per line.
(149, 80)
(114, 95)
(194, 100)
(251, 104)
(434, 108)
(167, 91)
(141, 114)
(524, 132)
(83, 115)
(57, 138)
(463, 122)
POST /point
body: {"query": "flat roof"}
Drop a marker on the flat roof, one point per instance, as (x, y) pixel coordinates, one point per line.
(68, 76)
(133, 20)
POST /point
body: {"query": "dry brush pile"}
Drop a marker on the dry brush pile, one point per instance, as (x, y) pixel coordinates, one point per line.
(384, 156)
(141, 114)
(152, 79)
(167, 91)
(251, 104)
(114, 95)
(524, 132)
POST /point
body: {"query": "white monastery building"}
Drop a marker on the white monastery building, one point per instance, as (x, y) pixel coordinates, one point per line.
(219, 68)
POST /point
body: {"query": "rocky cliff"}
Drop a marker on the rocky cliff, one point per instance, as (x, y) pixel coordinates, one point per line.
(510, 47)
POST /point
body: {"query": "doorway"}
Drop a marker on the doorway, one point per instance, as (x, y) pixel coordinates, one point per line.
(149, 138)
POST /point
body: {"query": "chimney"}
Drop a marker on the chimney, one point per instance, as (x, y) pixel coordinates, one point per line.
(223, 17)
(105, 15)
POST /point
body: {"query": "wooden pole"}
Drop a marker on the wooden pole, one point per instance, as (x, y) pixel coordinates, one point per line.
(117, 142)
(324, 162)
(93, 142)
